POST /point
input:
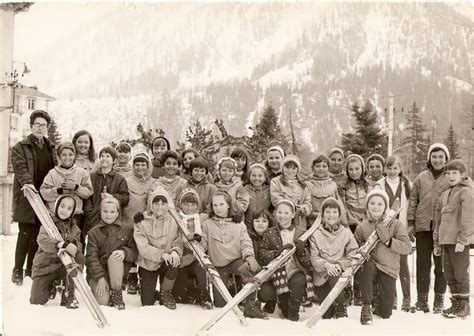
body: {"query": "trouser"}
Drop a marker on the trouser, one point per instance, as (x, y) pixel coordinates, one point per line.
(115, 271)
(79, 221)
(181, 289)
(404, 276)
(357, 275)
(26, 244)
(236, 267)
(41, 287)
(149, 279)
(456, 270)
(324, 290)
(386, 285)
(424, 253)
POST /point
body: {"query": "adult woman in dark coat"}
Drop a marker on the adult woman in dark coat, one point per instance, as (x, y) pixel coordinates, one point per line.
(32, 159)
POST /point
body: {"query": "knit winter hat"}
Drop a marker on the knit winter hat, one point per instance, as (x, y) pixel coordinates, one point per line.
(458, 165)
(58, 203)
(141, 157)
(360, 159)
(111, 200)
(287, 202)
(291, 158)
(278, 149)
(331, 202)
(258, 165)
(168, 147)
(226, 158)
(160, 191)
(189, 191)
(336, 150)
(110, 150)
(377, 157)
(378, 192)
(439, 146)
(66, 145)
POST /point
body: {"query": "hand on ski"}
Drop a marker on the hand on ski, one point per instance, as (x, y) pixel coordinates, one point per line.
(383, 233)
(299, 210)
(118, 255)
(300, 245)
(333, 269)
(253, 264)
(171, 259)
(102, 287)
(71, 249)
(286, 247)
(437, 251)
(138, 217)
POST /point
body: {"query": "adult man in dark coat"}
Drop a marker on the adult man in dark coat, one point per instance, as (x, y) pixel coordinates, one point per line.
(32, 159)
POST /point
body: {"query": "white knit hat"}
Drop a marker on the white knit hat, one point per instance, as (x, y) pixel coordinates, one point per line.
(438, 146)
(278, 149)
(360, 159)
(378, 192)
(291, 158)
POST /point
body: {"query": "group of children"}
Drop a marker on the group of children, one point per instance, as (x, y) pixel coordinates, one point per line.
(121, 208)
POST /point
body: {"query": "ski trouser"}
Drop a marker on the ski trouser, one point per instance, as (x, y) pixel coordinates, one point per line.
(235, 267)
(324, 290)
(41, 287)
(404, 276)
(26, 244)
(387, 288)
(149, 279)
(456, 270)
(424, 253)
(181, 288)
(115, 271)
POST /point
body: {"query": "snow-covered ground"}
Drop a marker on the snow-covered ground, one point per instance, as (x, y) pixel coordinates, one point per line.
(21, 318)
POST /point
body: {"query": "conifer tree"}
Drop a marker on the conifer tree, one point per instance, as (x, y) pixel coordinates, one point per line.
(451, 142)
(53, 133)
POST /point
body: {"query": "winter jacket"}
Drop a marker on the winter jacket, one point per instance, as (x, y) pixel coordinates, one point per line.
(454, 219)
(294, 192)
(83, 162)
(240, 197)
(386, 258)
(158, 170)
(338, 178)
(226, 241)
(102, 240)
(24, 167)
(126, 171)
(205, 190)
(423, 197)
(383, 184)
(320, 189)
(259, 200)
(116, 186)
(172, 186)
(334, 246)
(46, 258)
(56, 176)
(138, 189)
(354, 197)
(157, 235)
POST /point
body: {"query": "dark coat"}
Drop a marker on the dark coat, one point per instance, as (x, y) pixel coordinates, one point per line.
(102, 240)
(24, 168)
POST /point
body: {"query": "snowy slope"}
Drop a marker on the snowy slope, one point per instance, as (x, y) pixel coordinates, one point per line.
(21, 318)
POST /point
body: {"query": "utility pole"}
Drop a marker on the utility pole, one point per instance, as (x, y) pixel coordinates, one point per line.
(390, 122)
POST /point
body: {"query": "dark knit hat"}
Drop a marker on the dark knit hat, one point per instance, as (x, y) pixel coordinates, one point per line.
(66, 145)
(377, 157)
(458, 165)
(110, 150)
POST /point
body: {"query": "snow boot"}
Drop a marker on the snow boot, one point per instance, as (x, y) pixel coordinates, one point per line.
(116, 299)
(348, 295)
(132, 287)
(395, 303)
(464, 308)
(357, 297)
(293, 309)
(406, 306)
(52, 291)
(252, 309)
(68, 299)
(269, 307)
(438, 304)
(17, 276)
(28, 272)
(283, 303)
(451, 311)
(366, 315)
(422, 303)
(204, 299)
(340, 310)
(167, 299)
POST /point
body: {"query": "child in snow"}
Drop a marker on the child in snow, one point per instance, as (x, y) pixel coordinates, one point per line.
(336, 165)
(86, 155)
(453, 233)
(110, 253)
(290, 186)
(159, 145)
(375, 165)
(291, 281)
(320, 185)
(230, 249)
(242, 160)
(106, 182)
(275, 155)
(189, 203)
(396, 185)
(47, 267)
(122, 165)
(170, 180)
(332, 247)
(160, 248)
(67, 179)
(384, 263)
(259, 193)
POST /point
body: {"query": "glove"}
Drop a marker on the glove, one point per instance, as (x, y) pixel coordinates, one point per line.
(437, 251)
(138, 217)
(300, 245)
(253, 264)
(71, 249)
(237, 218)
(383, 233)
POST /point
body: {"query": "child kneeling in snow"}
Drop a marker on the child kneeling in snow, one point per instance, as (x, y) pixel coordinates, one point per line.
(110, 253)
(47, 267)
(332, 247)
(230, 249)
(160, 247)
(384, 262)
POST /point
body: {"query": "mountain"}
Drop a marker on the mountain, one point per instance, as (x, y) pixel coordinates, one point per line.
(168, 64)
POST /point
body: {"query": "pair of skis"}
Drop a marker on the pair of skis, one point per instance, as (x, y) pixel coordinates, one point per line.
(260, 277)
(69, 263)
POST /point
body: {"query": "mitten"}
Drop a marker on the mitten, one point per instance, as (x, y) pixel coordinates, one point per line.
(71, 249)
(138, 217)
(383, 233)
(253, 264)
(300, 245)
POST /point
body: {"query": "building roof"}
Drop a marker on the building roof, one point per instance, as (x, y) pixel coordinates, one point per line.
(16, 7)
(32, 91)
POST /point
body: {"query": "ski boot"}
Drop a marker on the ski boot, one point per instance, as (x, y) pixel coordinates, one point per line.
(451, 311)
(283, 303)
(28, 272)
(269, 307)
(422, 303)
(167, 299)
(406, 306)
(357, 297)
(293, 309)
(17, 276)
(366, 315)
(464, 308)
(340, 310)
(116, 299)
(438, 304)
(204, 299)
(348, 295)
(68, 299)
(132, 287)
(252, 309)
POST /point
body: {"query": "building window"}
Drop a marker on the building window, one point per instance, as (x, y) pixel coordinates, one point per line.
(31, 103)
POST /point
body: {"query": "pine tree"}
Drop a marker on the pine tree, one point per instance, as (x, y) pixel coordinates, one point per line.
(415, 144)
(368, 137)
(266, 133)
(53, 133)
(451, 142)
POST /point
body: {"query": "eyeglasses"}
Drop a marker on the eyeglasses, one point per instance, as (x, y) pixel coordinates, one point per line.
(38, 125)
